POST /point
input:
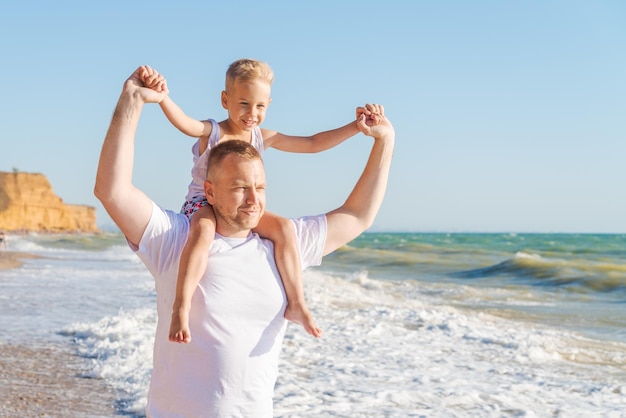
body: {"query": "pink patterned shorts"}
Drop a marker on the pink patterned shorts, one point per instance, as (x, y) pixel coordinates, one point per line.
(191, 206)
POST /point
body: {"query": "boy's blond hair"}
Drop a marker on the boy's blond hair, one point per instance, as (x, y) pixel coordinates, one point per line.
(246, 69)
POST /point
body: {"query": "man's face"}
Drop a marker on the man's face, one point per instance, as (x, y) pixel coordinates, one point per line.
(236, 190)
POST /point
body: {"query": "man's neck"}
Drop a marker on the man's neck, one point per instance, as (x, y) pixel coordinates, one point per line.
(232, 233)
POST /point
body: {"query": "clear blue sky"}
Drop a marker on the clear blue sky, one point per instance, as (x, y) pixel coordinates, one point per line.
(510, 115)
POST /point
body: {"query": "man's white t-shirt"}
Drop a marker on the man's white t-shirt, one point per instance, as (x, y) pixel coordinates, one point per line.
(237, 326)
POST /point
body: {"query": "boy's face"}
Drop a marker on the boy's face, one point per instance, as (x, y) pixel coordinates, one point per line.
(247, 102)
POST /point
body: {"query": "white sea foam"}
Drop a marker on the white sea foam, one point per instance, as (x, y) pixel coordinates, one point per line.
(520, 255)
(384, 355)
(120, 350)
(390, 348)
(387, 355)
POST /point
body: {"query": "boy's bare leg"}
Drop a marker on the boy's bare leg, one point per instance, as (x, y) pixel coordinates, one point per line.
(193, 263)
(287, 256)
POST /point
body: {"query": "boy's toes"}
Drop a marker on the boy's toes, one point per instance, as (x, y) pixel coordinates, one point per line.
(316, 332)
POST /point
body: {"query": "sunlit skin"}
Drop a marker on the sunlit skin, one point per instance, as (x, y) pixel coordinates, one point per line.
(236, 190)
(246, 100)
(246, 103)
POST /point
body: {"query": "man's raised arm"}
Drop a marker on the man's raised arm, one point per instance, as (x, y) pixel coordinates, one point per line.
(128, 206)
(359, 211)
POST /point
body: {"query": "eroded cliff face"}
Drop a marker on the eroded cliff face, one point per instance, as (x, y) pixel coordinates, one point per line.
(28, 203)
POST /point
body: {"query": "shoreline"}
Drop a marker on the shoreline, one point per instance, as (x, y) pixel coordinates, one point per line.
(13, 259)
(50, 382)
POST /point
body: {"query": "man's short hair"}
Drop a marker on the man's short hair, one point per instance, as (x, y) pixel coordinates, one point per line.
(236, 147)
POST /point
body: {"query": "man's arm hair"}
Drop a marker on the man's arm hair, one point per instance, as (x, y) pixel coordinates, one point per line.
(128, 206)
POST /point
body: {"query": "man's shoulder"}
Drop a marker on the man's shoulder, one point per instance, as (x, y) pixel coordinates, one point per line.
(165, 225)
(309, 222)
(311, 236)
(163, 240)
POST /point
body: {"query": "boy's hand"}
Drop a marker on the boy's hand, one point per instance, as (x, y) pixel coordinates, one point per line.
(153, 80)
(136, 85)
(373, 114)
(371, 121)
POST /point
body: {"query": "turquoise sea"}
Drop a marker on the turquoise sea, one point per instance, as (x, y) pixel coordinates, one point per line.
(576, 281)
(416, 324)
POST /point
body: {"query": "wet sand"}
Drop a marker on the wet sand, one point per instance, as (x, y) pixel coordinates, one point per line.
(49, 382)
(12, 259)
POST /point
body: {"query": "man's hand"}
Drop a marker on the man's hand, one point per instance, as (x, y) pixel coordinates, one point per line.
(146, 84)
(153, 80)
(371, 121)
(359, 211)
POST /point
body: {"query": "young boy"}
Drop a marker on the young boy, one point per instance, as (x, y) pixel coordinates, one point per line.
(246, 98)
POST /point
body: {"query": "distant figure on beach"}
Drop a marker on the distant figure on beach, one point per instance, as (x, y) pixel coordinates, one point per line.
(3, 241)
(246, 98)
(230, 366)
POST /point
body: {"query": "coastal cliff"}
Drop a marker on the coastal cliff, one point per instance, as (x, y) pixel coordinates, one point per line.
(27, 203)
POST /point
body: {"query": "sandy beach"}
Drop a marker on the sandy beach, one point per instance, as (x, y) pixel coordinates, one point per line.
(47, 381)
(11, 259)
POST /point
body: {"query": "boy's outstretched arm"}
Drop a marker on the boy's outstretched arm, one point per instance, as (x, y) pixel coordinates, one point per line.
(186, 124)
(315, 143)
(359, 210)
(309, 144)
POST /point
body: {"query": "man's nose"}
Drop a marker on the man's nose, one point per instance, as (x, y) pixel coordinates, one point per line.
(253, 196)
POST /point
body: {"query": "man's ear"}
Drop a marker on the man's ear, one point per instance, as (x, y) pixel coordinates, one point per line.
(209, 192)
(224, 99)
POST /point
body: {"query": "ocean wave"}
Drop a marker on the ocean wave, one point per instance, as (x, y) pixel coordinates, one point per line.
(600, 276)
(376, 334)
(85, 242)
(119, 348)
(101, 247)
(401, 336)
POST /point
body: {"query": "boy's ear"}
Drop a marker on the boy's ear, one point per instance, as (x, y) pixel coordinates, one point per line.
(208, 192)
(224, 99)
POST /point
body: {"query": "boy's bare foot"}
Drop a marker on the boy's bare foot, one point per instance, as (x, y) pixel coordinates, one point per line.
(179, 327)
(301, 315)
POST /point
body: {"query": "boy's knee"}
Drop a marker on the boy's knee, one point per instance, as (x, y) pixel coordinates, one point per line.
(203, 227)
(286, 229)
(284, 225)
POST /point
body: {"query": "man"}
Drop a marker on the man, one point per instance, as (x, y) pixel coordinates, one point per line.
(230, 366)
